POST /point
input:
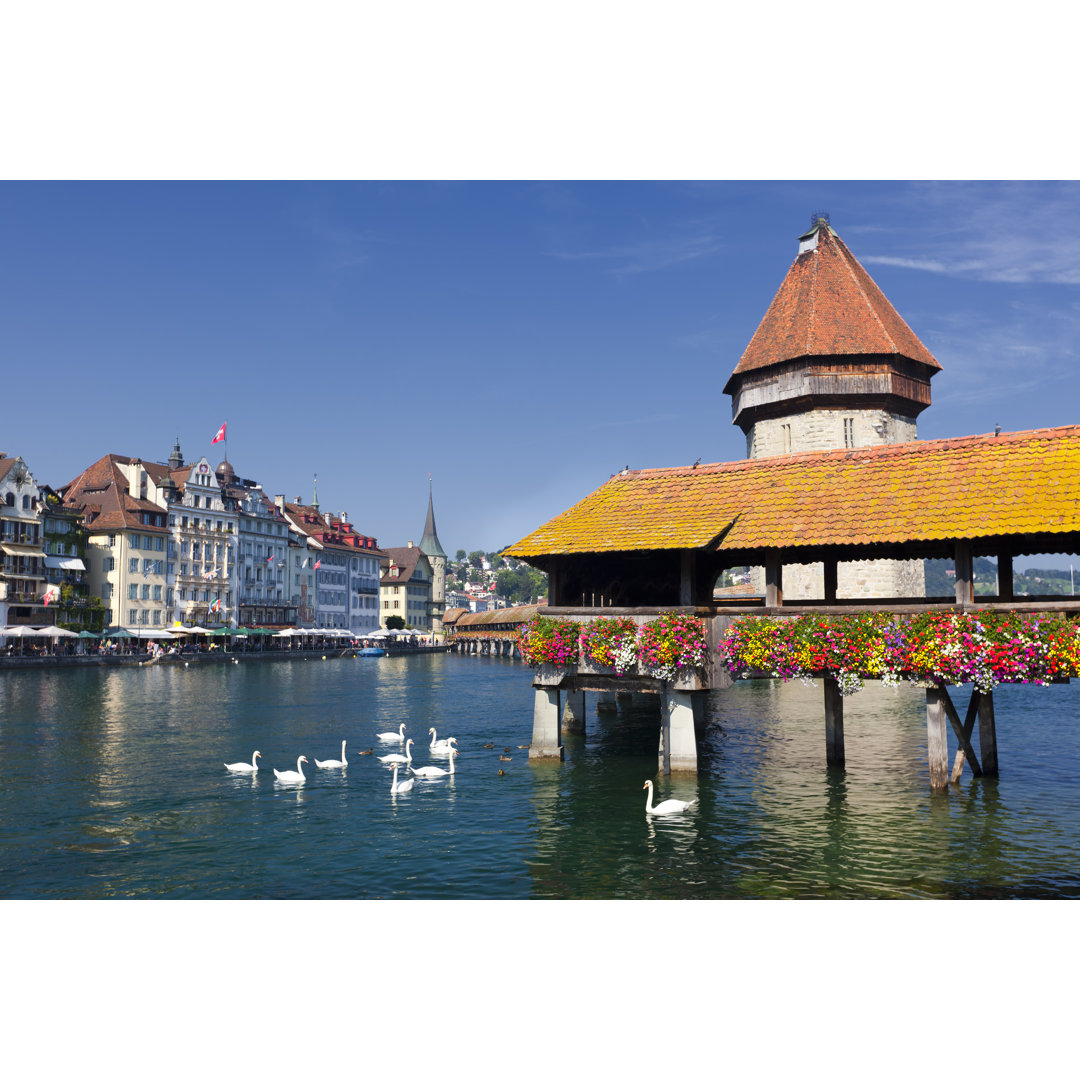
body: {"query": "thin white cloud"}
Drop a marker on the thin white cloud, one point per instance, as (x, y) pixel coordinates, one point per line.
(648, 255)
(1016, 233)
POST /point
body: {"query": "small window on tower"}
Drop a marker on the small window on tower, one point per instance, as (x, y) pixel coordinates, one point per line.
(849, 433)
(786, 435)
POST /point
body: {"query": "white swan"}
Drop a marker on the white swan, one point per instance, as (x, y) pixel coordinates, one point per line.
(389, 736)
(405, 785)
(289, 777)
(668, 806)
(332, 764)
(398, 759)
(243, 766)
(443, 747)
(437, 744)
(433, 772)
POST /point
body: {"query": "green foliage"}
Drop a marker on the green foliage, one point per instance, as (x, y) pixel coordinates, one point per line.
(460, 555)
(476, 559)
(395, 622)
(521, 585)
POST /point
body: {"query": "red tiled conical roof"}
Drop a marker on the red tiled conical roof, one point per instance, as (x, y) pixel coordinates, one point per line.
(828, 305)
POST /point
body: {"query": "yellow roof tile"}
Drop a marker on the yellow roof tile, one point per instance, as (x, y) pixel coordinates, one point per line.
(984, 485)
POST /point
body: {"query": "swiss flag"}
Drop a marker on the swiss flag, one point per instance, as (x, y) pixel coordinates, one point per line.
(219, 436)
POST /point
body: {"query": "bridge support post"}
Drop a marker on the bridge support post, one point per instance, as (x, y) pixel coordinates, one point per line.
(678, 745)
(937, 746)
(834, 723)
(987, 735)
(573, 715)
(605, 701)
(624, 701)
(546, 737)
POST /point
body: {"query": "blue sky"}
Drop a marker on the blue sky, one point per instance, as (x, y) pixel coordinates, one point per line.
(518, 341)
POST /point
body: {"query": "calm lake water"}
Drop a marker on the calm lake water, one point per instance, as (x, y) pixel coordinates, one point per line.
(112, 785)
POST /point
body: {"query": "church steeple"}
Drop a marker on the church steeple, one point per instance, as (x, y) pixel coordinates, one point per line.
(430, 545)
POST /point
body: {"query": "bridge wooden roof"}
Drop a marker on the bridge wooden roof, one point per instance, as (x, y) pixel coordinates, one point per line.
(1013, 484)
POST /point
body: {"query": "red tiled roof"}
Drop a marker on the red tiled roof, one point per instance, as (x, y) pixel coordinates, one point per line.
(406, 559)
(828, 305)
(977, 486)
(102, 489)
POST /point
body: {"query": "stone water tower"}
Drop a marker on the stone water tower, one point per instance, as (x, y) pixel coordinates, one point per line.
(832, 366)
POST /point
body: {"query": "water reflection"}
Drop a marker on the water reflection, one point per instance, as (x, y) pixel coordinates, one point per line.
(119, 790)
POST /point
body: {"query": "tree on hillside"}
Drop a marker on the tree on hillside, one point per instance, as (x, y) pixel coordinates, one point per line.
(522, 585)
(476, 558)
(460, 555)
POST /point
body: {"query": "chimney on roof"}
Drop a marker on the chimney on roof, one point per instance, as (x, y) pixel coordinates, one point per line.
(410, 543)
(344, 517)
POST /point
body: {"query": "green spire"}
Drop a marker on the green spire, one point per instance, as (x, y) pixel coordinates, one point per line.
(430, 545)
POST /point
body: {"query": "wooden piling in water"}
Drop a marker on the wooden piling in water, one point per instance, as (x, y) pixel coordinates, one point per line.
(834, 723)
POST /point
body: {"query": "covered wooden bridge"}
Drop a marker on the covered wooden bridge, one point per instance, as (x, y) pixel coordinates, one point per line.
(653, 540)
(487, 632)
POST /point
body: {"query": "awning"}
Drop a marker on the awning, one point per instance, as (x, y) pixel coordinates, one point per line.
(64, 562)
(23, 549)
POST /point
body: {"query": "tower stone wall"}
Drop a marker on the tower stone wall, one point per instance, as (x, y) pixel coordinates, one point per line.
(832, 366)
(824, 429)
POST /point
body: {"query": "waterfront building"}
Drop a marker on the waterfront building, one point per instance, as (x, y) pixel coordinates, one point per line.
(66, 538)
(203, 523)
(430, 546)
(345, 570)
(832, 366)
(305, 551)
(405, 587)
(264, 540)
(120, 502)
(22, 565)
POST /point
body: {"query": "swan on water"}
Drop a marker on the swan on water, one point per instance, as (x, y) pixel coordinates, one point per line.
(668, 806)
(443, 747)
(405, 785)
(433, 772)
(289, 777)
(439, 744)
(389, 736)
(398, 759)
(243, 766)
(332, 764)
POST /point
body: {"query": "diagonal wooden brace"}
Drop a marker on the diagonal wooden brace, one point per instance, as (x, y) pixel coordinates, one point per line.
(963, 734)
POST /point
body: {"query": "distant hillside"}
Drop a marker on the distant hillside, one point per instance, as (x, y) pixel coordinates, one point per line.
(941, 580)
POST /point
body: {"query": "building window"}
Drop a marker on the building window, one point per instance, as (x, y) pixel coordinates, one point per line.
(133, 616)
(849, 433)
